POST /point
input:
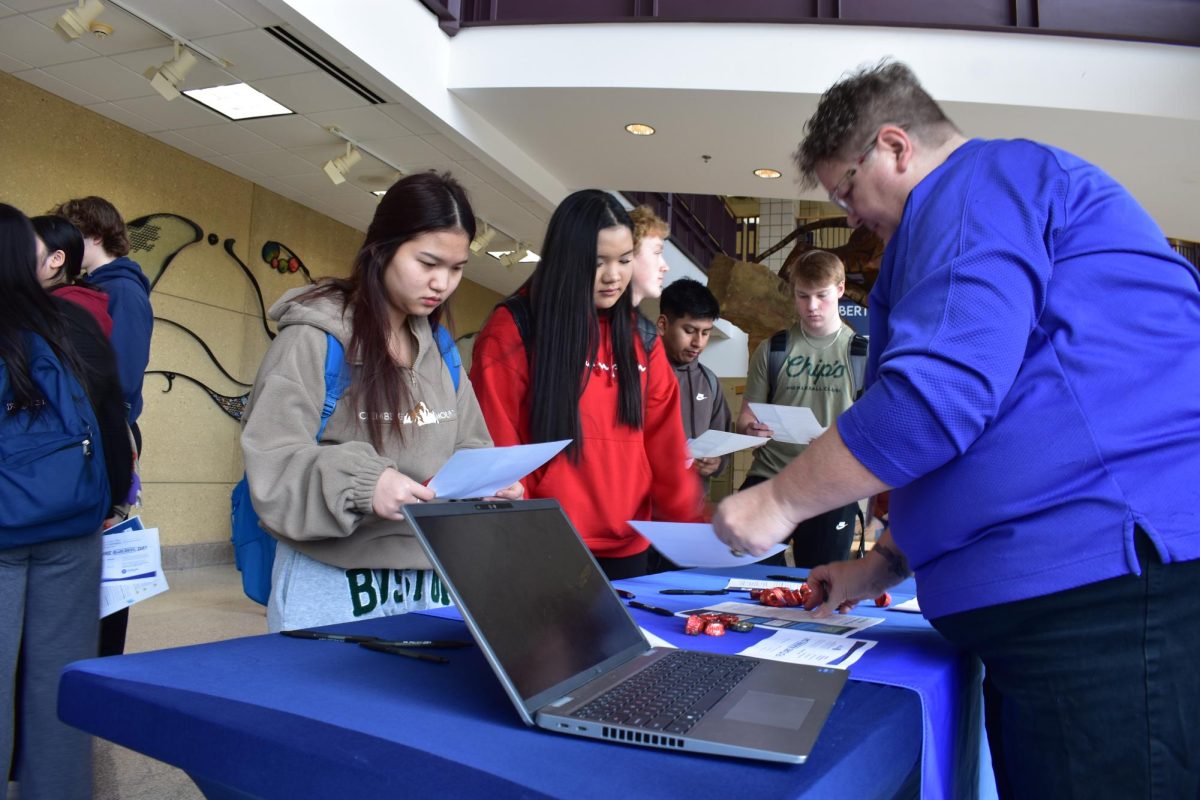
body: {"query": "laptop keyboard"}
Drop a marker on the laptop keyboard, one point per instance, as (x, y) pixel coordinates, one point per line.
(672, 694)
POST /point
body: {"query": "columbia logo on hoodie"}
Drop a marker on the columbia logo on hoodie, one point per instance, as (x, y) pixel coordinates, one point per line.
(420, 412)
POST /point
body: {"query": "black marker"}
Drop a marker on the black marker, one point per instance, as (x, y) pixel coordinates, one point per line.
(628, 595)
(693, 591)
(330, 637)
(383, 647)
(444, 643)
(790, 578)
(652, 609)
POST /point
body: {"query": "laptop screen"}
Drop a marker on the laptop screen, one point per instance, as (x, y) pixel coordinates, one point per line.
(537, 597)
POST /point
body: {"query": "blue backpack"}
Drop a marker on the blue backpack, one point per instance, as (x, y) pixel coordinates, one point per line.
(53, 482)
(253, 547)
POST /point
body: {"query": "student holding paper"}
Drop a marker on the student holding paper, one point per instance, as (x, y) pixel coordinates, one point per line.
(814, 372)
(689, 311)
(562, 359)
(336, 505)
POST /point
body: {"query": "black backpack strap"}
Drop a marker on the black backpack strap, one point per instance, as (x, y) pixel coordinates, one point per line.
(648, 331)
(518, 306)
(859, 345)
(775, 358)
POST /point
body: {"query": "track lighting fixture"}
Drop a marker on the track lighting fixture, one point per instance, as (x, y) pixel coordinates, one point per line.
(336, 168)
(167, 78)
(514, 258)
(483, 237)
(75, 22)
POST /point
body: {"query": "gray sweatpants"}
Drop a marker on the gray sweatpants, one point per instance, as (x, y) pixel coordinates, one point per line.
(306, 593)
(50, 607)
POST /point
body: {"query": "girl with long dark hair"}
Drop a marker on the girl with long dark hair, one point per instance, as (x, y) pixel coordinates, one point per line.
(562, 359)
(49, 574)
(335, 505)
(60, 267)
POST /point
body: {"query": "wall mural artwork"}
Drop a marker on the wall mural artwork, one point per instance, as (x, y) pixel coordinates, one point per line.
(155, 240)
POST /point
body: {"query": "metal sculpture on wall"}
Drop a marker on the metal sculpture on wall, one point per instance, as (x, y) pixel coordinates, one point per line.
(283, 260)
(155, 240)
(231, 405)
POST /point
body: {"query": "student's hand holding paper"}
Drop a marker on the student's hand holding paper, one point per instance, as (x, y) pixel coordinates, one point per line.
(757, 428)
(393, 491)
(707, 466)
(514, 492)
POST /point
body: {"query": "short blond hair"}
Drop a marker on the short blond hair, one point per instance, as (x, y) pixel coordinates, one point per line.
(816, 268)
(647, 223)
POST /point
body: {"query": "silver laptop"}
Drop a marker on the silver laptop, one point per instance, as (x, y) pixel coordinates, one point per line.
(574, 661)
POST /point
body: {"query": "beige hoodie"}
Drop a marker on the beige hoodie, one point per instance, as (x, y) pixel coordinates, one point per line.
(318, 496)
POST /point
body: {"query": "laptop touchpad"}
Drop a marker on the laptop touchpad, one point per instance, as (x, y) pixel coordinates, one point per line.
(776, 710)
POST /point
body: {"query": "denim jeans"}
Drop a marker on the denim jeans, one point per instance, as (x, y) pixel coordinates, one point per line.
(1099, 686)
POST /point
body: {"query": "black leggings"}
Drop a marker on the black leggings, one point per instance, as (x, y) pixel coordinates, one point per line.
(823, 539)
(633, 566)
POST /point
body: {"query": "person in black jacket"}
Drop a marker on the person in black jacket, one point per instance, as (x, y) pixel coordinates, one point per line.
(49, 587)
(108, 268)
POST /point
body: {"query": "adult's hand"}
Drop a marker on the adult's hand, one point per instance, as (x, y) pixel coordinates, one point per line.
(752, 521)
(842, 585)
(707, 466)
(393, 491)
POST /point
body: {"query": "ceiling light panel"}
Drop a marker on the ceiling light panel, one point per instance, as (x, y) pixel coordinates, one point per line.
(238, 101)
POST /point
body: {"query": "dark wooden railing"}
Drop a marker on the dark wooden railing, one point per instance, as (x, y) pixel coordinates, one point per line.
(701, 225)
(1165, 21)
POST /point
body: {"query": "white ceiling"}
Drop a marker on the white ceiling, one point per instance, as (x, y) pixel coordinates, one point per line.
(523, 115)
(283, 154)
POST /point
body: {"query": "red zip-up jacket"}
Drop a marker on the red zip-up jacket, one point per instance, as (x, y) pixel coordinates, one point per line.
(623, 474)
(95, 301)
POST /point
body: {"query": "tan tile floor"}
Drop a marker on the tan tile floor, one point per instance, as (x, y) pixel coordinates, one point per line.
(205, 604)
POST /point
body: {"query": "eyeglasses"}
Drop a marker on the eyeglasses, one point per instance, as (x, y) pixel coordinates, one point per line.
(835, 194)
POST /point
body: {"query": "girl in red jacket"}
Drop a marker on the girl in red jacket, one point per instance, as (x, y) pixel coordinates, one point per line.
(562, 359)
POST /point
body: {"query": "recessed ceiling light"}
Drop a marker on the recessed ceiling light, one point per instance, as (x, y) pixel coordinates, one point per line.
(238, 101)
(639, 129)
(768, 173)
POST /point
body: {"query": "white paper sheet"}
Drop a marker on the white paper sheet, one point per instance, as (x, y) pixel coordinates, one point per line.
(792, 424)
(713, 443)
(798, 647)
(131, 566)
(796, 619)
(911, 606)
(483, 471)
(693, 544)
(755, 583)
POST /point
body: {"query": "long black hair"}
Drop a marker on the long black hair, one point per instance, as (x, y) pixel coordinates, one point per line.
(59, 233)
(566, 326)
(26, 307)
(420, 203)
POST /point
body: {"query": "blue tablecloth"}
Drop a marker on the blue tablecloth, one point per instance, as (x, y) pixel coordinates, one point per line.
(909, 654)
(270, 716)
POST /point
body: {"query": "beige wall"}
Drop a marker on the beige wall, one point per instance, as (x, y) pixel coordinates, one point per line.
(53, 151)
